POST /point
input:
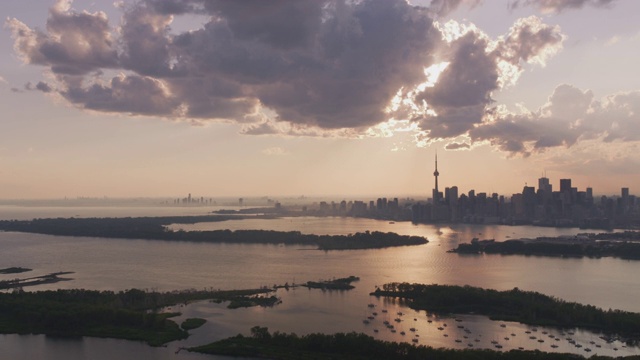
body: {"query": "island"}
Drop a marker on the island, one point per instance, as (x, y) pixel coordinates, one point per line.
(132, 314)
(334, 284)
(625, 245)
(155, 228)
(526, 307)
(14, 270)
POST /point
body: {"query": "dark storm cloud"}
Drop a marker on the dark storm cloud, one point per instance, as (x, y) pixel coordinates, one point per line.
(557, 6)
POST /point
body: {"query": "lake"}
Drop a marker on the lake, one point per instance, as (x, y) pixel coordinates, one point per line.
(116, 264)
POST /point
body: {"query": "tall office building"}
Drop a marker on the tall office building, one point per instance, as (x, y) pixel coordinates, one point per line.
(544, 185)
(565, 185)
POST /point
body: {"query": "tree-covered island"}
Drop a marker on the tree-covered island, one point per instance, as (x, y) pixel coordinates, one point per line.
(131, 315)
(155, 228)
(624, 245)
(526, 307)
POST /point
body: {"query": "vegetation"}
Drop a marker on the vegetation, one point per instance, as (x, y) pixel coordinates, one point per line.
(352, 345)
(131, 314)
(335, 284)
(621, 249)
(13, 270)
(192, 323)
(154, 228)
(514, 305)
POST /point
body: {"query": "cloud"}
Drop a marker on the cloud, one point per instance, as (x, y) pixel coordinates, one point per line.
(462, 95)
(458, 146)
(443, 8)
(303, 68)
(40, 86)
(327, 64)
(275, 151)
(557, 6)
(74, 43)
(569, 116)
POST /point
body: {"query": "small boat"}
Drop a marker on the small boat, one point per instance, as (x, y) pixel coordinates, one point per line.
(498, 346)
(374, 313)
(540, 341)
(445, 335)
(429, 321)
(393, 330)
(384, 310)
(506, 338)
(375, 330)
(402, 333)
(587, 349)
(503, 325)
(371, 305)
(458, 340)
(365, 321)
(414, 340)
(554, 346)
(440, 328)
(412, 329)
(470, 345)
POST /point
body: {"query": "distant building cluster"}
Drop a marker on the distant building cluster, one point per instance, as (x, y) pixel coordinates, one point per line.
(566, 207)
(542, 206)
(195, 201)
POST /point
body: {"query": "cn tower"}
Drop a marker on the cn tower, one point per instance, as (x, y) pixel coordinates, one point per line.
(436, 192)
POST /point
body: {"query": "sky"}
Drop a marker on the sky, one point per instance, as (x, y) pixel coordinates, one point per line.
(317, 97)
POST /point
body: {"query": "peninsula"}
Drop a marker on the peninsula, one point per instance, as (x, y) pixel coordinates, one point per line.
(349, 346)
(155, 228)
(132, 314)
(625, 245)
(526, 307)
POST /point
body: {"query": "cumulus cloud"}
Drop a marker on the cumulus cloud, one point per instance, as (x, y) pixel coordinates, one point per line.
(557, 6)
(298, 68)
(569, 115)
(462, 95)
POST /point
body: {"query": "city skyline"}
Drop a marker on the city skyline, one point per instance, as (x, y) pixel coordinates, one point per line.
(316, 98)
